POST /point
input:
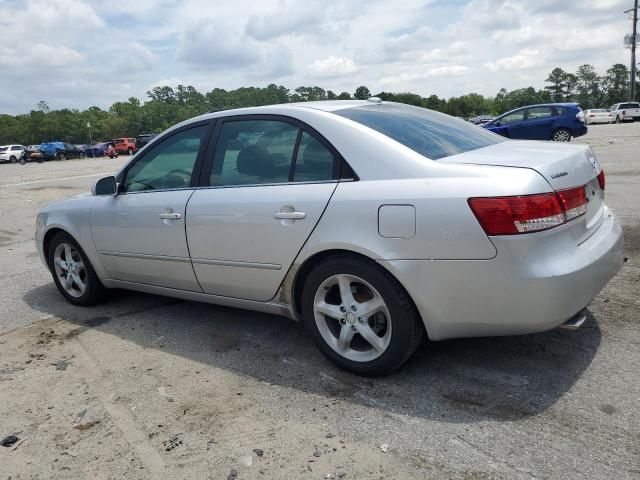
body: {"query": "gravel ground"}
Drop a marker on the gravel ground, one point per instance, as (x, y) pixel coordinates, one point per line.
(152, 387)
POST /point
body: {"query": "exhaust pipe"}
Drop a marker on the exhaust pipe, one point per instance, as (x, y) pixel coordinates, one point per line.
(576, 321)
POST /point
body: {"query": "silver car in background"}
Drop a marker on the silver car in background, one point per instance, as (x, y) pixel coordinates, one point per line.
(374, 223)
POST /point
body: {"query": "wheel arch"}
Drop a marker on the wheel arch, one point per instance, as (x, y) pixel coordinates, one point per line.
(302, 272)
(48, 236)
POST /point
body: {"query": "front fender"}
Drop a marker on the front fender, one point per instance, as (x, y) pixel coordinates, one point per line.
(71, 216)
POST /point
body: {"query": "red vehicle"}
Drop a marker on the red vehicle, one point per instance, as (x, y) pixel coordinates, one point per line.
(125, 145)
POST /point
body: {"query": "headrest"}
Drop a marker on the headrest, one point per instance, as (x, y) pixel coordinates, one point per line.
(255, 161)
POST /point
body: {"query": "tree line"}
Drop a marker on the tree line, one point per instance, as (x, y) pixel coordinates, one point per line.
(166, 106)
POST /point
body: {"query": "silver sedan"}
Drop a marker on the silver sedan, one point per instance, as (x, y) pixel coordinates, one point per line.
(374, 223)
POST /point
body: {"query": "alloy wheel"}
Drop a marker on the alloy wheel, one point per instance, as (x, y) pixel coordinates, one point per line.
(352, 317)
(561, 136)
(70, 269)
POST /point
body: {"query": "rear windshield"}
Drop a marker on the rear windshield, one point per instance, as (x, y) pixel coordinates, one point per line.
(3, 149)
(431, 134)
(629, 105)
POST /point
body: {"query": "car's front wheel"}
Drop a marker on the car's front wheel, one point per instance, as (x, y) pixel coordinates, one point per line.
(72, 272)
(360, 316)
(561, 135)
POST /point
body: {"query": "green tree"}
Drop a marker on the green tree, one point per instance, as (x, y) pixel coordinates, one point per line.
(362, 93)
(557, 78)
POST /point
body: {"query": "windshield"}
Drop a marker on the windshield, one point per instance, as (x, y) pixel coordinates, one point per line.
(3, 149)
(431, 134)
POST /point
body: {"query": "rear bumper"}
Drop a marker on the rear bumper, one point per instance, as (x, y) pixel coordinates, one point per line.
(535, 283)
(579, 130)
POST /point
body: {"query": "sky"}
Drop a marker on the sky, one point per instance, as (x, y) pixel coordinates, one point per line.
(79, 53)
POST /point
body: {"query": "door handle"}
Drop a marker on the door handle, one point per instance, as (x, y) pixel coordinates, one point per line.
(171, 216)
(289, 215)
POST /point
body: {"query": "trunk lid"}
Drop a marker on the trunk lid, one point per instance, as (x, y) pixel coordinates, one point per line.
(562, 165)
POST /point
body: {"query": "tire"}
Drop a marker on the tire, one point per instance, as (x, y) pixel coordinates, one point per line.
(93, 291)
(81, 156)
(130, 151)
(561, 135)
(617, 119)
(22, 161)
(13, 159)
(62, 156)
(396, 323)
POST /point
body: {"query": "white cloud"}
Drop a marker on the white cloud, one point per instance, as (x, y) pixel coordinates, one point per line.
(446, 48)
(523, 60)
(332, 66)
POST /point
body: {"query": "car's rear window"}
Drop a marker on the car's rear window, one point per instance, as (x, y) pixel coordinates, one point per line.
(432, 134)
(3, 149)
(629, 105)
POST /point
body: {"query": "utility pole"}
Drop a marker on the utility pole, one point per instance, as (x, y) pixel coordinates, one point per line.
(633, 48)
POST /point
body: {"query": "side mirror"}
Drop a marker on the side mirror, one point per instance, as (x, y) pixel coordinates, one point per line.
(498, 123)
(105, 186)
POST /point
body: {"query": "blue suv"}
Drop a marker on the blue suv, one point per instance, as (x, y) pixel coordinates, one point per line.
(551, 121)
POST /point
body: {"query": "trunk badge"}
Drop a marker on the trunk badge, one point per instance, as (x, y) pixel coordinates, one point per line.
(559, 174)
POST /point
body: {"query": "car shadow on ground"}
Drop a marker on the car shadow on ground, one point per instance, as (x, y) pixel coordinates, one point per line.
(466, 380)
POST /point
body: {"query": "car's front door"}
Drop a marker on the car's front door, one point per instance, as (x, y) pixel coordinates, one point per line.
(511, 125)
(140, 233)
(269, 184)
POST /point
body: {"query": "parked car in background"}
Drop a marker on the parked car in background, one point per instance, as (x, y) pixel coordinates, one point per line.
(33, 154)
(625, 111)
(552, 121)
(597, 115)
(11, 153)
(481, 119)
(125, 145)
(358, 246)
(143, 139)
(97, 149)
(60, 151)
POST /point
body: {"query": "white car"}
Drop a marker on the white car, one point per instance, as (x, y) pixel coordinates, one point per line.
(11, 153)
(625, 111)
(372, 222)
(597, 115)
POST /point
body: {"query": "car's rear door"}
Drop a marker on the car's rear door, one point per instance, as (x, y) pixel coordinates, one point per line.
(538, 124)
(262, 194)
(140, 233)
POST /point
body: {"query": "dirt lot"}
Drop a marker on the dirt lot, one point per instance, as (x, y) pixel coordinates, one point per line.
(151, 387)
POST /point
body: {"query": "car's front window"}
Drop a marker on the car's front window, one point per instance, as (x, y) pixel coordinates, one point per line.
(169, 164)
(431, 134)
(512, 117)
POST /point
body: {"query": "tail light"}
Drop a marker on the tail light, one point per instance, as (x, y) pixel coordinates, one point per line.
(528, 213)
(601, 179)
(580, 116)
(624, 113)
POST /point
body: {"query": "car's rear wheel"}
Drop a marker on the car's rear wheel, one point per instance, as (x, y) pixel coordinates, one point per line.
(72, 272)
(561, 135)
(62, 156)
(13, 159)
(618, 119)
(81, 155)
(360, 316)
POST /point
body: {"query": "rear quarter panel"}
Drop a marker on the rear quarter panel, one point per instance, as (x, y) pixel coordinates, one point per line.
(445, 225)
